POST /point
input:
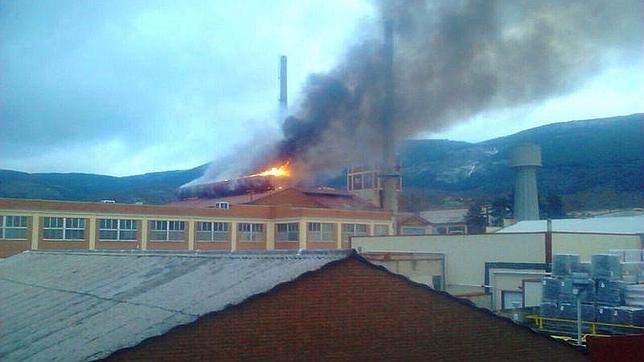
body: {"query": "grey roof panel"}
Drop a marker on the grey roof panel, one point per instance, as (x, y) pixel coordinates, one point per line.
(85, 305)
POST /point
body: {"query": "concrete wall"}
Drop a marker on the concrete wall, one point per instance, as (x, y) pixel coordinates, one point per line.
(419, 270)
(465, 255)
(586, 244)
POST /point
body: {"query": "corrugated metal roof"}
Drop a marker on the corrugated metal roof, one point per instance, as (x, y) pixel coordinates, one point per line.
(72, 306)
(617, 225)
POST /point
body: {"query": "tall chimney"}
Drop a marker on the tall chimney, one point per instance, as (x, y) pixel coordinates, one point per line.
(283, 83)
(525, 158)
(389, 174)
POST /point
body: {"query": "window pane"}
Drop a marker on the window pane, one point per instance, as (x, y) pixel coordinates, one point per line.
(158, 235)
(244, 227)
(53, 234)
(175, 235)
(127, 235)
(1, 220)
(314, 226)
(15, 233)
(71, 223)
(159, 225)
(128, 224)
(221, 235)
(107, 234)
(74, 234)
(203, 235)
(221, 226)
(258, 228)
(368, 181)
(204, 226)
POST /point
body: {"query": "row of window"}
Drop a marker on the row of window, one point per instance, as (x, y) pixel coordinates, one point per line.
(13, 227)
(67, 228)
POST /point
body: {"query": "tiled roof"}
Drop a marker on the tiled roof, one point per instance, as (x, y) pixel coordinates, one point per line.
(410, 218)
(292, 196)
(69, 305)
(233, 200)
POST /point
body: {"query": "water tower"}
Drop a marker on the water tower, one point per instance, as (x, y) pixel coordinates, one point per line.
(525, 158)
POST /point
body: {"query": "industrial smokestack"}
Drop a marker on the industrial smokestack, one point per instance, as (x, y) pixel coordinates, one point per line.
(390, 176)
(283, 84)
(525, 158)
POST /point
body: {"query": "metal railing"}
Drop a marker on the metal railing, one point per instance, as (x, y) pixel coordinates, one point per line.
(592, 328)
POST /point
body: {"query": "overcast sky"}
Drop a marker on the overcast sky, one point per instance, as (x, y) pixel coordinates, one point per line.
(128, 87)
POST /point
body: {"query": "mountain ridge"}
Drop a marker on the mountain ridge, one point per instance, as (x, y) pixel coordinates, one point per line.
(601, 156)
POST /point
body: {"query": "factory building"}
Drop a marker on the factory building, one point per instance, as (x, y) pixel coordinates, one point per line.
(500, 270)
(279, 305)
(280, 219)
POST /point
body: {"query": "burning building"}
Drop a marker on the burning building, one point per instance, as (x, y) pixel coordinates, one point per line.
(274, 178)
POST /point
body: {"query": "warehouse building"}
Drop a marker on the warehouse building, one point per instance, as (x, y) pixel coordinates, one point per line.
(496, 271)
(280, 219)
(279, 305)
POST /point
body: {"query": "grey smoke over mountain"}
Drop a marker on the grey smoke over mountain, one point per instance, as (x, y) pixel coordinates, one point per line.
(452, 61)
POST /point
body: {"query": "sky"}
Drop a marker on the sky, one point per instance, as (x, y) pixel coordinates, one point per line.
(129, 87)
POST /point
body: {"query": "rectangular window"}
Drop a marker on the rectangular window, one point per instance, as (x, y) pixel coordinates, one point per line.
(167, 230)
(211, 231)
(222, 205)
(117, 229)
(380, 230)
(288, 232)
(367, 181)
(63, 228)
(349, 230)
(321, 231)
(13, 227)
(251, 232)
(357, 182)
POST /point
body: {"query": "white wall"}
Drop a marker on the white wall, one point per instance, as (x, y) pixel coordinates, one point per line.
(588, 244)
(465, 255)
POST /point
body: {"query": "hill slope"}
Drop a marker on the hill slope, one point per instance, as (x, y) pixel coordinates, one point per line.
(592, 163)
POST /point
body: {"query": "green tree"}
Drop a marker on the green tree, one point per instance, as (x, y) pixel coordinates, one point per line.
(475, 219)
(554, 207)
(501, 209)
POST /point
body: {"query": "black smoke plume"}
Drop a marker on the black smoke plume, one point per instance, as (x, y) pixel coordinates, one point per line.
(452, 61)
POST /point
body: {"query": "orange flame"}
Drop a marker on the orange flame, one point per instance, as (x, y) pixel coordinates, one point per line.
(280, 171)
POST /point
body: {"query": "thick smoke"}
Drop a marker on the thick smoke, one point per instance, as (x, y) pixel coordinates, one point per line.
(452, 60)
